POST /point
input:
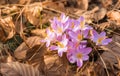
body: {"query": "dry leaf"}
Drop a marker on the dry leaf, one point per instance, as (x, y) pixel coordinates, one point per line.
(7, 28)
(52, 63)
(104, 25)
(18, 69)
(114, 16)
(27, 1)
(21, 51)
(59, 6)
(38, 32)
(24, 1)
(2, 2)
(106, 3)
(12, 1)
(34, 54)
(10, 10)
(82, 4)
(32, 13)
(111, 56)
(100, 14)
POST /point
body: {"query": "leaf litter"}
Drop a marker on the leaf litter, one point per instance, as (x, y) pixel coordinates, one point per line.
(32, 58)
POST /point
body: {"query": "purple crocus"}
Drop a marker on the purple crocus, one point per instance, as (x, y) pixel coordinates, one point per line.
(74, 45)
(50, 37)
(78, 55)
(100, 39)
(73, 25)
(61, 46)
(82, 25)
(58, 27)
(63, 18)
(78, 36)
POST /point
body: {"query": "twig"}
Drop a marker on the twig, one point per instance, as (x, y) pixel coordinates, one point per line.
(101, 60)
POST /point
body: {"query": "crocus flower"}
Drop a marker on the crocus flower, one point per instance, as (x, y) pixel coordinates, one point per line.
(82, 25)
(50, 37)
(79, 55)
(78, 35)
(59, 28)
(61, 46)
(73, 25)
(63, 18)
(74, 45)
(100, 39)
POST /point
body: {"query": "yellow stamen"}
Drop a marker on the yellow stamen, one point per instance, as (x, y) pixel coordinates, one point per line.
(51, 29)
(60, 30)
(79, 55)
(82, 24)
(72, 26)
(59, 18)
(100, 40)
(79, 36)
(60, 45)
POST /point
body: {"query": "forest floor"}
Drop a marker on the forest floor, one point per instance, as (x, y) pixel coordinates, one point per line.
(23, 24)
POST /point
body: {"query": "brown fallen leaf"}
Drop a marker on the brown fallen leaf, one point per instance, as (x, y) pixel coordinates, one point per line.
(27, 1)
(38, 32)
(21, 51)
(82, 4)
(2, 2)
(100, 14)
(32, 13)
(7, 28)
(34, 54)
(18, 69)
(104, 25)
(24, 1)
(57, 66)
(111, 56)
(106, 3)
(114, 16)
(10, 10)
(12, 1)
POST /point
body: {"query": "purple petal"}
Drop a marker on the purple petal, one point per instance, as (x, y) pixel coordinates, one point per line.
(95, 34)
(88, 27)
(85, 33)
(72, 34)
(85, 57)
(79, 62)
(60, 52)
(103, 34)
(67, 24)
(106, 41)
(64, 18)
(72, 59)
(47, 43)
(53, 47)
(95, 39)
(82, 44)
(54, 23)
(64, 40)
(86, 51)
(81, 18)
(62, 15)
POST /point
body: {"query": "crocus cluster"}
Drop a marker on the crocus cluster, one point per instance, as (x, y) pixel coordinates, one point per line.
(70, 36)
